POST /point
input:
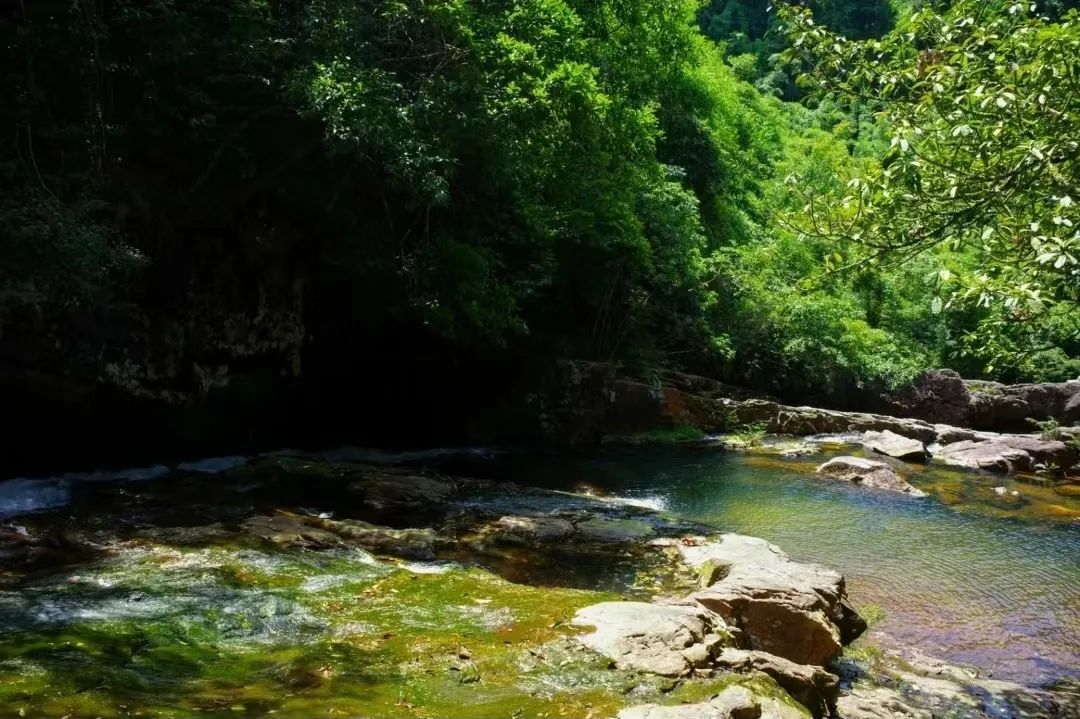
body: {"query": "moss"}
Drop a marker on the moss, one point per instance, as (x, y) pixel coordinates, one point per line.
(157, 631)
(872, 613)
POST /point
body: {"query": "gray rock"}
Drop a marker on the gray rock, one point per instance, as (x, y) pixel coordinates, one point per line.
(543, 529)
(868, 473)
(813, 687)
(669, 640)
(894, 445)
(794, 610)
(1007, 453)
(947, 434)
(393, 491)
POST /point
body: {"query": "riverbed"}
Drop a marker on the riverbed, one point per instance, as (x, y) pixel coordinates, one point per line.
(143, 593)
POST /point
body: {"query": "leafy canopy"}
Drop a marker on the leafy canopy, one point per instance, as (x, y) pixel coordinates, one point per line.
(983, 165)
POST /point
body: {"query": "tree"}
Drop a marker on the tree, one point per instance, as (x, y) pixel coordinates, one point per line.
(983, 166)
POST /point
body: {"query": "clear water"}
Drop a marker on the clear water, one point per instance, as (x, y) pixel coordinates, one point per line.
(968, 575)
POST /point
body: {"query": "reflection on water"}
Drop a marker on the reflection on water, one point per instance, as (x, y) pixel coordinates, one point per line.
(970, 574)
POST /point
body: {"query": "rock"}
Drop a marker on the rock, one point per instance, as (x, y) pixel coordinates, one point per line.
(877, 703)
(1007, 453)
(732, 703)
(1071, 411)
(388, 491)
(868, 473)
(543, 529)
(407, 543)
(936, 396)
(797, 611)
(813, 687)
(669, 640)
(289, 529)
(947, 434)
(614, 530)
(1007, 408)
(893, 445)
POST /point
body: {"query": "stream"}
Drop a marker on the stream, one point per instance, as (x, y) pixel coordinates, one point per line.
(144, 594)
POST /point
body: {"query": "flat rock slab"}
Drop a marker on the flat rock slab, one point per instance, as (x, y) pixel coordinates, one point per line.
(1007, 453)
(794, 610)
(867, 473)
(669, 640)
(894, 445)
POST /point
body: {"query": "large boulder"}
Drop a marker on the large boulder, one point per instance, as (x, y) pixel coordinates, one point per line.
(867, 473)
(1008, 407)
(797, 611)
(936, 396)
(894, 445)
(669, 640)
(1008, 453)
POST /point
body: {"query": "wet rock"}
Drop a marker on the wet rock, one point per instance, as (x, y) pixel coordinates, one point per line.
(893, 445)
(669, 640)
(878, 703)
(868, 473)
(289, 531)
(541, 529)
(407, 543)
(387, 491)
(797, 611)
(1007, 453)
(614, 530)
(318, 532)
(811, 686)
(732, 703)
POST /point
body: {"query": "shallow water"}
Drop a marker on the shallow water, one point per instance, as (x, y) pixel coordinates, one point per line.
(145, 600)
(966, 574)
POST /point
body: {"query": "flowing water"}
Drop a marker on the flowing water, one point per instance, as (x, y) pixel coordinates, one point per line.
(140, 594)
(972, 574)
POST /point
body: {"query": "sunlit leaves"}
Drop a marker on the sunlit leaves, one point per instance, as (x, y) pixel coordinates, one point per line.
(985, 154)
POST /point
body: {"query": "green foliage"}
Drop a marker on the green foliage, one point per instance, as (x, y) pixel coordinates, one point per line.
(981, 165)
(229, 183)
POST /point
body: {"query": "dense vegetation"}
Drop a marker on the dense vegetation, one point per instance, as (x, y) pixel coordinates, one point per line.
(192, 190)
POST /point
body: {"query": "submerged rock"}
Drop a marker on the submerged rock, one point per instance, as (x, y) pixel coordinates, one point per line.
(868, 473)
(288, 529)
(878, 703)
(894, 445)
(669, 640)
(797, 611)
(541, 529)
(1007, 453)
